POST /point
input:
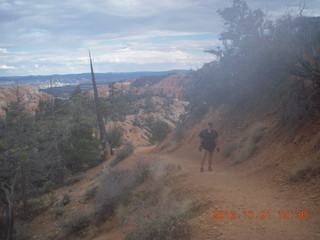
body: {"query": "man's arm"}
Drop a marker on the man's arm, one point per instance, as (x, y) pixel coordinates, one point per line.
(217, 144)
(201, 140)
(200, 146)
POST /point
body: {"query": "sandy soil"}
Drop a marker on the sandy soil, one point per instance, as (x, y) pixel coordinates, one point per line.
(227, 189)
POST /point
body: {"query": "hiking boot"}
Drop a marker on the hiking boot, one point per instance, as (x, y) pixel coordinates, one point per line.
(209, 169)
(201, 169)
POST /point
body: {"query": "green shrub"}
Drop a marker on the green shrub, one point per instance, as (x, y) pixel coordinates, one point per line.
(76, 224)
(21, 231)
(73, 179)
(66, 198)
(157, 128)
(114, 136)
(34, 208)
(136, 122)
(81, 150)
(89, 194)
(58, 212)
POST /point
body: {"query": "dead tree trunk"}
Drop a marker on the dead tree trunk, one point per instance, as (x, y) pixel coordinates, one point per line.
(102, 129)
(9, 191)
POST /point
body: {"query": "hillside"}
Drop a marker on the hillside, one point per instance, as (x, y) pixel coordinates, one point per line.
(167, 85)
(29, 96)
(260, 183)
(262, 169)
(256, 176)
(262, 94)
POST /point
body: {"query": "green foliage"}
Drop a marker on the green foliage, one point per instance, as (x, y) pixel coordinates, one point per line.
(82, 149)
(149, 106)
(114, 136)
(148, 80)
(262, 64)
(157, 128)
(3, 145)
(57, 108)
(45, 148)
(116, 108)
(240, 21)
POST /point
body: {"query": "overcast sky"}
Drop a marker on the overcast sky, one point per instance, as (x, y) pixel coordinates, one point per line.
(40, 37)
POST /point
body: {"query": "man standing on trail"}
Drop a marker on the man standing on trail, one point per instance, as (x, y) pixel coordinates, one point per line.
(208, 138)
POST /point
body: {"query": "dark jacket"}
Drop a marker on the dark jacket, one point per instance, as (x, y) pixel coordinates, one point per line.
(208, 139)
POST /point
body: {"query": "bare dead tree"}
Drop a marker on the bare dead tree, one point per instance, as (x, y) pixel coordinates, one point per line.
(101, 125)
(8, 189)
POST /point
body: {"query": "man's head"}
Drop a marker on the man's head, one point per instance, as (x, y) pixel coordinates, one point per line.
(210, 125)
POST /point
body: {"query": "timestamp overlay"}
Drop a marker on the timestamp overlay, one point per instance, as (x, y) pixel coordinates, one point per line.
(298, 215)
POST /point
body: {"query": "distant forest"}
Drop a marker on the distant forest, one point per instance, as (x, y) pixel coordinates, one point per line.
(82, 79)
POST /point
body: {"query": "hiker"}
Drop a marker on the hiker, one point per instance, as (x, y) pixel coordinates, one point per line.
(208, 138)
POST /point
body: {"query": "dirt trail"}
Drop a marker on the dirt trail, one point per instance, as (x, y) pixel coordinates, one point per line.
(227, 189)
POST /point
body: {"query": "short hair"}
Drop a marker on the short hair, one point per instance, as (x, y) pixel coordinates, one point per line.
(210, 124)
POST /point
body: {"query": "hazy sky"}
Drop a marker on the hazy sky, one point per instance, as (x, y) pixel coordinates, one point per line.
(40, 37)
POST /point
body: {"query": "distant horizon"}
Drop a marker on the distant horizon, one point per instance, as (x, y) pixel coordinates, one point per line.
(80, 73)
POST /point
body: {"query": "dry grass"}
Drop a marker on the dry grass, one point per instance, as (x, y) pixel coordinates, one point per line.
(89, 194)
(178, 133)
(249, 149)
(65, 200)
(229, 149)
(123, 153)
(115, 188)
(256, 132)
(76, 225)
(165, 219)
(154, 210)
(57, 212)
(35, 208)
(72, 180)
(247, 146)
(160, 225)
(305, 170)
